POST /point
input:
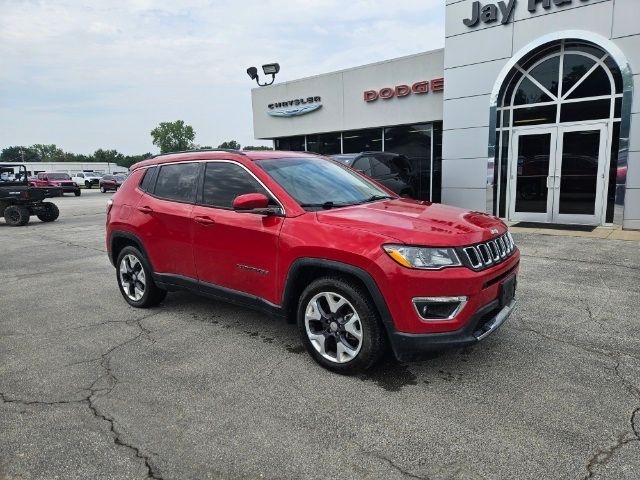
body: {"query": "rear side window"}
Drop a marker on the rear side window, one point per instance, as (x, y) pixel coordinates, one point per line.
(149, 179)
(177, 182)
(224, 181)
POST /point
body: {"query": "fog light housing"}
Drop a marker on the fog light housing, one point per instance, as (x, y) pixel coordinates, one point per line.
(438, 308)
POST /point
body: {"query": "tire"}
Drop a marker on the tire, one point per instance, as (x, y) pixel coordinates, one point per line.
(87, 184)
(16, 215)
(50, 213)
(102, 189)
(77, 193)
(128, 266)
(331, 338)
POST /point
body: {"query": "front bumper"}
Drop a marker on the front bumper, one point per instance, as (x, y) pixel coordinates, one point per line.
(411, 346)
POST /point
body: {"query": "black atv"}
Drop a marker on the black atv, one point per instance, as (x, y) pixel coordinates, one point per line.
(18, 201)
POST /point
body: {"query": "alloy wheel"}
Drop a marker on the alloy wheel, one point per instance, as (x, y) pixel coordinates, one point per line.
(333, 327)
(132, 277)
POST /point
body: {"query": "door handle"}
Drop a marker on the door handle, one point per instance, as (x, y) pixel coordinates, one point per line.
(145, 209)
(204, 220)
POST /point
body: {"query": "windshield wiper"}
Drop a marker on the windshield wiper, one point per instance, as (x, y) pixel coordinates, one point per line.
(374, 198)
(326, 205)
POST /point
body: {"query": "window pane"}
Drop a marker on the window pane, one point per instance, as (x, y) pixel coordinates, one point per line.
(618, 108)
(532, 169)
(575, 67)
(529, 92)
(613, 173)
(436, 181)
(225, 181)
(593, 110)
(615, 71)
(534, 115)
(357, 141)
(178, 182)
(547, 74)
(149, 179)
(324, 143)
(292, 144)
(596, 84)
(414, 142)
(579, 172)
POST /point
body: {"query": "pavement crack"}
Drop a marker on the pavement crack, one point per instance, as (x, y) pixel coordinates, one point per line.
(94, 392)
(391, 463)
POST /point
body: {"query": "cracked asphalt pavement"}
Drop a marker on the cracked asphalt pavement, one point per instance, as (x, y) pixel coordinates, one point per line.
(196, 389)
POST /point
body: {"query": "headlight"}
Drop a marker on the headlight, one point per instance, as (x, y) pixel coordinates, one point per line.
(426, 258)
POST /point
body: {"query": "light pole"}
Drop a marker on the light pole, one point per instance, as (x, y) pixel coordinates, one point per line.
(268, 69)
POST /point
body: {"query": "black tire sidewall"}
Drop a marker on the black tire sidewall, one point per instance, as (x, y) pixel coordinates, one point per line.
(51, 213)
(22, 211)
(372, 334)
(152, 294)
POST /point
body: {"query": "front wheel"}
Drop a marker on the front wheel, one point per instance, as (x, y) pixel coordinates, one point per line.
(339, 325)
(87, 184)
(135, 279)
(49, 213)
(102, 189)
(77, 193)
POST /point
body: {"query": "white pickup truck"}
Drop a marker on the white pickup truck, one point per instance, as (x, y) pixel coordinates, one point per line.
(88, 179)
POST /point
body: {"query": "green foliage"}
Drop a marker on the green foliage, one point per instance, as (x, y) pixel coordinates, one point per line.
(19, 154)
(49, 153)
(230, 145)
(257, 147)
(173, 136)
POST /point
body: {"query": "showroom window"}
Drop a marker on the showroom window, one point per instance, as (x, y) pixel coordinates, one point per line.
(292, 144)
(414, 142)
(324, 143)
(356, 141)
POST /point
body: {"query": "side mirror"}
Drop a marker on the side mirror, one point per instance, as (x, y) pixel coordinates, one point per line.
(254, 203)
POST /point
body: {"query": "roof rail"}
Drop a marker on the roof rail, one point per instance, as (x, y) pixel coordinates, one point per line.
(228, 150)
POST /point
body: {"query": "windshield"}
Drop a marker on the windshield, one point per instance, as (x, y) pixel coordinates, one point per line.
(58, 176)
(320, 183)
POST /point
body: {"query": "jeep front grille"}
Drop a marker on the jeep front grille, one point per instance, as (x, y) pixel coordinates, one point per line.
(484, 255)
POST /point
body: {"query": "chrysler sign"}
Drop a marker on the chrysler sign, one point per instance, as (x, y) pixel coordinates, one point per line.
(294, 108)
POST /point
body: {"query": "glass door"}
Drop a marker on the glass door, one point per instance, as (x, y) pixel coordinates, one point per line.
(579, 183)
(530, 178)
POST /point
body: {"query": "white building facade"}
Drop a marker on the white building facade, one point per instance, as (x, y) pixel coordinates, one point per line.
(531, 102)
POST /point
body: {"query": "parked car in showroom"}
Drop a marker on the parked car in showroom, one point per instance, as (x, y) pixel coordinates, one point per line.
(111, 182)
(86, 179)
(297, 235)
(396, 172)
(55, 179)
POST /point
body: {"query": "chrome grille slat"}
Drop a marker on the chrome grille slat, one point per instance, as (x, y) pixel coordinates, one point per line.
(491, 252)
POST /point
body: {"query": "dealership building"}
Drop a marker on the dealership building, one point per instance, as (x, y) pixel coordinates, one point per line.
(528, 112)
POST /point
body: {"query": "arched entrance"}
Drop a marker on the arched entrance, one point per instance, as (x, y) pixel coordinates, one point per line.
(557, 129)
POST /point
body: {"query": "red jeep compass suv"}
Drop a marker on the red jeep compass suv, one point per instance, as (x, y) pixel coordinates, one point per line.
(304, 237)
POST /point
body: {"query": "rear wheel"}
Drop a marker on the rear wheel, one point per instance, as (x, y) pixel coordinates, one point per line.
(102, 189)
(339, 326)
(16, 215)
(49, 213)
(135, 279)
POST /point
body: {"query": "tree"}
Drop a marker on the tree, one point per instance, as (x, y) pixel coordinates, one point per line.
(132, 159)
(257, 147)
(112, 156)
(48, 153)
(19, 154)
(230, 145)
(173, 136)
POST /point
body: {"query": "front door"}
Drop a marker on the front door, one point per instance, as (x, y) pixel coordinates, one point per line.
(557, 174)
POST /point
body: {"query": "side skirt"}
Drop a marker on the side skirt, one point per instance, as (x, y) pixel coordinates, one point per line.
(174, 283)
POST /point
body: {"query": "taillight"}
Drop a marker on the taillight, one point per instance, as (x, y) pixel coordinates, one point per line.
(109, 205)
(26, 194)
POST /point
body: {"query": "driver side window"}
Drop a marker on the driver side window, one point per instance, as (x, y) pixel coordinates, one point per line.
(363, 164)
(224, 181)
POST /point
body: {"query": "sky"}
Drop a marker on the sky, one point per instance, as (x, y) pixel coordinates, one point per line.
(102, 74)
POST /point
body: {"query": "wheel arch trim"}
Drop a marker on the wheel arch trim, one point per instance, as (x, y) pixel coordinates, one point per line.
(123, 234)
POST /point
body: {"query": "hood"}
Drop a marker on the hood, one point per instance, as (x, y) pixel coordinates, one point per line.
(417, 223)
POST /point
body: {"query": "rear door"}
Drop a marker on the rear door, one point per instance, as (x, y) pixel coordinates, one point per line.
(164, 218)
(234, 250)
